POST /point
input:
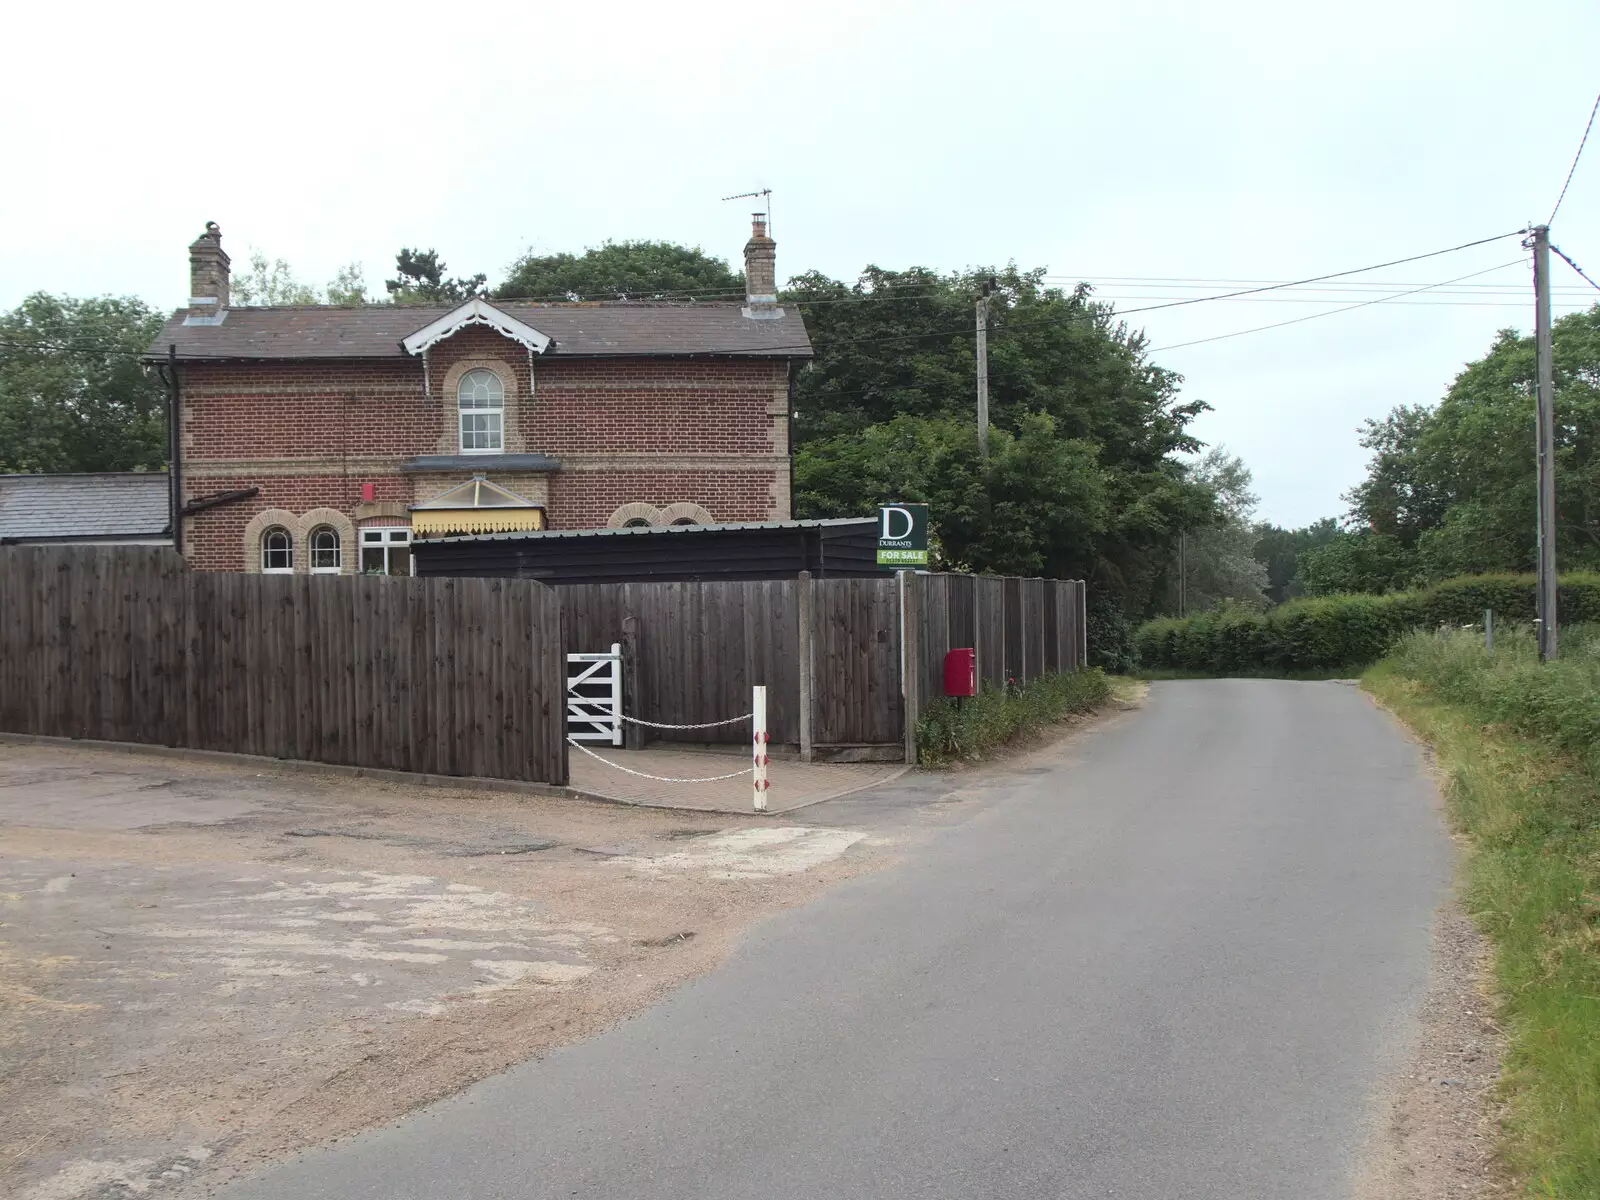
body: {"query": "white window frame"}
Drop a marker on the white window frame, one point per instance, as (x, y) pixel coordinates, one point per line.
(338, 551)
(497, 411)
(288, 550)
(385, 538)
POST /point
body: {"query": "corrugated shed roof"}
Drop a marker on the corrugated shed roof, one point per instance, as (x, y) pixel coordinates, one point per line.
(114, 504)
(652, 530)
(375, 330)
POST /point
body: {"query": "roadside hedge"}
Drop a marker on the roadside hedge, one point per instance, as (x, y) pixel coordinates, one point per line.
(949, 730)
(1346, 631)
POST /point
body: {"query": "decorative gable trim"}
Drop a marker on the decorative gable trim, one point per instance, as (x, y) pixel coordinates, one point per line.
(476, 311)
(477, 492)
(476, 506)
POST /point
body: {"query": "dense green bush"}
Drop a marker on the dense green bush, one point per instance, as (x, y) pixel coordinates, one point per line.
(1302, 635)
(1345, 631)
(1461, 601)
(1558, 701)
(981, 724)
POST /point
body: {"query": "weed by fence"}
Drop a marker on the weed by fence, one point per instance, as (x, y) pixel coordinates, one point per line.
(984, 723)
(1345, 631)
(1520, 745)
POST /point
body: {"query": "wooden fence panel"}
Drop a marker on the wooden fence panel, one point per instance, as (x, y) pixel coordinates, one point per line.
(989, 617)
(1012, 591)
(933, 635)
(440, 675)
(857, 648)
(701, 648)
(1052, 626)
(1033, 629)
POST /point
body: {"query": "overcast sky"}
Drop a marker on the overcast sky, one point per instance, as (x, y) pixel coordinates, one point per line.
(1153, 148)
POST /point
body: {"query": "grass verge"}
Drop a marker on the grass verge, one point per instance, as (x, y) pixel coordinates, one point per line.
(986, 723)
(1524, 791)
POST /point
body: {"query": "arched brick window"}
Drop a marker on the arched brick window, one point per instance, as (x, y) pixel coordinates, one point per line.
(277, 551)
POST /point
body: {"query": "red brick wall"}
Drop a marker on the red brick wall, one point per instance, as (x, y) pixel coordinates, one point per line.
(585, 499)
(214, 539)
(299, 410)
(370, 407)
(364, 409)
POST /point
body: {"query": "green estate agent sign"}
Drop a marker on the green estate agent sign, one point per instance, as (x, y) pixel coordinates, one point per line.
(903, 535)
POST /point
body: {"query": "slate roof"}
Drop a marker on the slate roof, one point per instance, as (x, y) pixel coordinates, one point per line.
(375, 330)
(114, 504)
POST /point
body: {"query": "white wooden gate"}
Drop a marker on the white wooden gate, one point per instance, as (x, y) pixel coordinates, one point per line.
(594, 696)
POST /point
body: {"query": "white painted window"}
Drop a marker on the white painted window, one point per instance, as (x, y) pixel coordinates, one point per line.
(326, 558)
(277, 551)
(481, 402)
(386, 551)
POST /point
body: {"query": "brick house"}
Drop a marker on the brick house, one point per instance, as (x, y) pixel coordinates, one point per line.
(323, 439)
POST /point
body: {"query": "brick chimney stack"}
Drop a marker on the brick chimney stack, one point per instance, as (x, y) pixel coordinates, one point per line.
(761, 271)
(208, 273)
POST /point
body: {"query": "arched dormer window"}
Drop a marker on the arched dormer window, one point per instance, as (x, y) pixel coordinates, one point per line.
(277, 551)
(481, 403)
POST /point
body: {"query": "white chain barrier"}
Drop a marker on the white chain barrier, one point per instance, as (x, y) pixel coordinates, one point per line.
(659, 778)
(759, 759)
(701, 725)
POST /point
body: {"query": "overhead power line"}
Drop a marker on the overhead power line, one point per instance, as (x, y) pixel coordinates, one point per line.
(1346, 308)
(1583, 141)
(1575, 267)
(1097, 315)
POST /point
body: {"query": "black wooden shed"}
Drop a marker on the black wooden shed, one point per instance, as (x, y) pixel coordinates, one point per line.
(836, 548)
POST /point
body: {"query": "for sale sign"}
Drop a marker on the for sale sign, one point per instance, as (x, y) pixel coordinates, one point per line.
(903, 535)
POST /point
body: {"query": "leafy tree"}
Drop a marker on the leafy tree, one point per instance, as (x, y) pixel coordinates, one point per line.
(623, 270)
(270, 282)
(1360, 561)
(1216, 563)
(1032, 509)
(1396, 498)
(1082, 481)
(73, 396)
(349, 285)
(1456, 483)
(1279, 550)
(420, 279)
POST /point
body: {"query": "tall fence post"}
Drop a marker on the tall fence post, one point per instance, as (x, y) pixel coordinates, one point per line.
(633, 734)
(758, 745)
(910, 658)
(807, 662)
(1083, 623)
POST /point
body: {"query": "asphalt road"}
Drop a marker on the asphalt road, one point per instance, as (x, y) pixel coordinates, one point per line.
(1176, 961)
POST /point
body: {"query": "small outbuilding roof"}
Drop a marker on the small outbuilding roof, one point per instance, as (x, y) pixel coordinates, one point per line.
(104, 506)
(659, 530)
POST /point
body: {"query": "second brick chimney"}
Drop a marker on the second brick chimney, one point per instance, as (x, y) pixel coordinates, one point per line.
(761, 271)
(208, 274)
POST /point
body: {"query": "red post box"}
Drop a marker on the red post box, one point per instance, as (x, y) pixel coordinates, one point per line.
(961, 672)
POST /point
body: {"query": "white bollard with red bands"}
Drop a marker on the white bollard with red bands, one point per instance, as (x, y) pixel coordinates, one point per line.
(758, 747)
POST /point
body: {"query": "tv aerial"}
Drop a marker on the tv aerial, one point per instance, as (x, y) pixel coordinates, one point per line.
(765, 194)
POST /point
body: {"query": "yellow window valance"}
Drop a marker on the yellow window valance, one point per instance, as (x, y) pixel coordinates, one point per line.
(441, 522)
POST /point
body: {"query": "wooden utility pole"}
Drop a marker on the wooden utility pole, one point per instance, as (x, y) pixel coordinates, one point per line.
(1545, 425)
(983, 368)
(1183, 575)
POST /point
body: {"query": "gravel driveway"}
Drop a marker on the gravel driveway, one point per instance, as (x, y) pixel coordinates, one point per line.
(203, 965)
